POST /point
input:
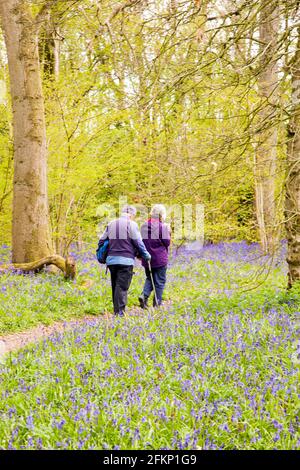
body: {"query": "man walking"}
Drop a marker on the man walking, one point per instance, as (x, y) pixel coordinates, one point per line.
(125, 243)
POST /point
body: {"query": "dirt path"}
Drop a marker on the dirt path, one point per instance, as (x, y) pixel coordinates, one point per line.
(15, 341)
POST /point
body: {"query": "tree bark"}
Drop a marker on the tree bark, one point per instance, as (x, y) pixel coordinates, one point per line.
(67, 266)
(49, 49)
(292, 201)
(30, 234)
(265, 168)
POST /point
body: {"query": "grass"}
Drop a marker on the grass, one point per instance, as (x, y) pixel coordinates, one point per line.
(215, 370)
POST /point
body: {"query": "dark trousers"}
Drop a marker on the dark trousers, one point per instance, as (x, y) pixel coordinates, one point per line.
(159, 278)
(121, 276)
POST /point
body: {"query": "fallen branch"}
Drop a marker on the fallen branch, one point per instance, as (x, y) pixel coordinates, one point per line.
(67, 266)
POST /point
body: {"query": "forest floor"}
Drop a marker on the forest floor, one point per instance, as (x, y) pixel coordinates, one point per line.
(216, 368)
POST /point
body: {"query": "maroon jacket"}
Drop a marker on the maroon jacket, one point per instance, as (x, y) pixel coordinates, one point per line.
(157, 238)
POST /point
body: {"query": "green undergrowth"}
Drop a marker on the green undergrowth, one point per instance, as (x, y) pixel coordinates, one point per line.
(29, 300)
(215, 368)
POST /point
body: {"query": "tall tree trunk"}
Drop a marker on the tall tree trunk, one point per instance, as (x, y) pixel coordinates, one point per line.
(31, 234)
(49, 48)
(56, 54)
(292, 201)
(266, 153)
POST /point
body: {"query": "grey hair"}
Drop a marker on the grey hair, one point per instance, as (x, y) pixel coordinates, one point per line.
(129, 210)
(159, 212)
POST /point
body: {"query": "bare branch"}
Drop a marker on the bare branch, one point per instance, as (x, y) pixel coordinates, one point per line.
(121, 8)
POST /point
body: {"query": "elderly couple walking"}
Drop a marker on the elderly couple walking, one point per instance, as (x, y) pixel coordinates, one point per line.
(125, 243)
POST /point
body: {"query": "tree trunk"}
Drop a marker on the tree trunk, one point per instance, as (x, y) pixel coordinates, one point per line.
(49, 49)
(31, 234)
(56, 55)
(266, 153)
(292, 201)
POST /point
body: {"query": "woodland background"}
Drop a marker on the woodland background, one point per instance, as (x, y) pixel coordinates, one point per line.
(179, 101)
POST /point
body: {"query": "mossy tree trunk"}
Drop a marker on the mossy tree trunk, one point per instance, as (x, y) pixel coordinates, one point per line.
(49, 48)
(31, 234)
(292, 202)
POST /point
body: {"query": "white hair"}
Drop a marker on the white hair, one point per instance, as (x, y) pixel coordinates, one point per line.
(129, 210)
(159, 212)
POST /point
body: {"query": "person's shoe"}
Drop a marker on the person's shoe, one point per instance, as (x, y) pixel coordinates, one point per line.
(143, 301)
(121, 313)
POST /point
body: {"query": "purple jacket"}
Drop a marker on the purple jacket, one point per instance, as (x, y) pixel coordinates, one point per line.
(157, 238)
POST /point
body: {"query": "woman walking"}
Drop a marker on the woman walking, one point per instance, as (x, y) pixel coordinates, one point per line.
(156, 237)
(125, 243)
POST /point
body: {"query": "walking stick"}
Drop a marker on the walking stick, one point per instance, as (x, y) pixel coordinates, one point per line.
(151, 276)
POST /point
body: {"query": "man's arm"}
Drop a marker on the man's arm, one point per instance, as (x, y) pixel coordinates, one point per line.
(137, 241)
